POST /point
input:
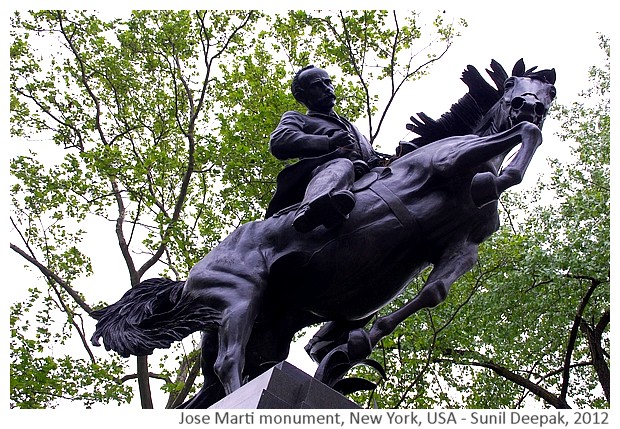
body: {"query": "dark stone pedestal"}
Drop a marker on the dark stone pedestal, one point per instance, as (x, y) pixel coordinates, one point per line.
(285, 387)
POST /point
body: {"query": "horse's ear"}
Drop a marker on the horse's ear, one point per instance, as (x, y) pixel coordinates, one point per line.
(498, 74)
(550, 75)
(519, 68)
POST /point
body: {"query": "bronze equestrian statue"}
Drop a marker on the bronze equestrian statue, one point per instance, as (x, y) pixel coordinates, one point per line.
(432, 206)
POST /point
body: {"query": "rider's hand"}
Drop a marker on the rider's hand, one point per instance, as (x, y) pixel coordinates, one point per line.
(340, 138)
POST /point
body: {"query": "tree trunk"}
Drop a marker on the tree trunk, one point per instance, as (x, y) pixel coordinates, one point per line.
(144, 386)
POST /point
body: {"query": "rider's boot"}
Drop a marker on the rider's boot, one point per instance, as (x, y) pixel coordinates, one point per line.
(329, 210)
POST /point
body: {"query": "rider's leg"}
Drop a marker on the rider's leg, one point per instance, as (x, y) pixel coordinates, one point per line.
(328, 199)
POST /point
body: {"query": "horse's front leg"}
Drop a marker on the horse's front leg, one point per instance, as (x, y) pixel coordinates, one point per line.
(487, 187)
(331, 335)
(455, 261)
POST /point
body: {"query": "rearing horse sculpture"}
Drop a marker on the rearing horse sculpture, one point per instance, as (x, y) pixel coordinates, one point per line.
(264, 282)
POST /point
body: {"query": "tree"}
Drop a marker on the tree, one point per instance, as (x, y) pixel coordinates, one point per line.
(158, 123)
(529, 324)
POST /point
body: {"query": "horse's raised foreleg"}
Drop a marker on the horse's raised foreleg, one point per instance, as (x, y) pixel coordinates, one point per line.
(455, 262)
(487, 187)
(514, 172)
(457, 154)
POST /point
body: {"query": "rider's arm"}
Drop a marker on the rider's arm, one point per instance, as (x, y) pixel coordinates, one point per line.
(290, 140)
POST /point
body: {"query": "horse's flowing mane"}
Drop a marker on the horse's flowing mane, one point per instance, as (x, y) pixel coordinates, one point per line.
(466, 114)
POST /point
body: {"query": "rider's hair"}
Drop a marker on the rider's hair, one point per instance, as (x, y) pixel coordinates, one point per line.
(296, 89)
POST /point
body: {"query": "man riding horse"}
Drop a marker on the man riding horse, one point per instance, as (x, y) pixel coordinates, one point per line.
(332, 151)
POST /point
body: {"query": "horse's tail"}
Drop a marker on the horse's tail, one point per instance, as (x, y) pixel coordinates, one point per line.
(151, 315)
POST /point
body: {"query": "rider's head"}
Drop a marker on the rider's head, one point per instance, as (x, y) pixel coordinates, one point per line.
(313, 88)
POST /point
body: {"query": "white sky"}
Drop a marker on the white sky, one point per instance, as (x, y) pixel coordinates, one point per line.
(549, 34)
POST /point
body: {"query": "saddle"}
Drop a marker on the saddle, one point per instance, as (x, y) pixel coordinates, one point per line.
(369, 178)
(372, 181)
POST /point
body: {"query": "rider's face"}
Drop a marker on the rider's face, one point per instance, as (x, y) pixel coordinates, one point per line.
(318, 90)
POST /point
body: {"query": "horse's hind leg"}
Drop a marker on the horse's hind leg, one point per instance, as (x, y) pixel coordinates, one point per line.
(234, 333)
(212, 389)
(231, 282)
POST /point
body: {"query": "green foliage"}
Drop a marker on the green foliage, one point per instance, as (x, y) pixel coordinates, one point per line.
(41, 377)
(364, 47)
(502, 337)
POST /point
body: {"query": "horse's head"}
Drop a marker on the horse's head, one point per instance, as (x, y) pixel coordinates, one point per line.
(527, 97)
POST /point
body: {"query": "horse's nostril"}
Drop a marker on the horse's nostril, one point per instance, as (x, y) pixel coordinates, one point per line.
(517, 102)
(525, 105)
(539, 108)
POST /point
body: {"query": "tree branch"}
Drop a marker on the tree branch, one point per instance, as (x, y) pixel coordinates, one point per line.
(399, 86)
(190, 152)
(150, 374)
(52, 277)
(593, 337)
(84, 79)
(177, 400)
(48, 273)
(573, 333)
(537, 390)
(71, 316)
(120, 234)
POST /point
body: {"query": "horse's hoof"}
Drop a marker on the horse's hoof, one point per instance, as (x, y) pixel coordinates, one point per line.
(359, 346)
(338, 362)
(317, 349)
